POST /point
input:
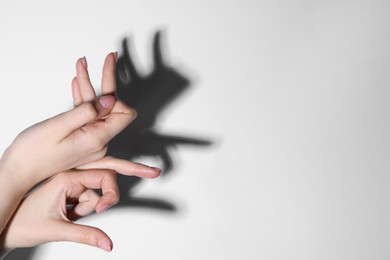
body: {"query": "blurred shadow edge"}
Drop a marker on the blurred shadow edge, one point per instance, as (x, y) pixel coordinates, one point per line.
(22, 254)
(149, 94)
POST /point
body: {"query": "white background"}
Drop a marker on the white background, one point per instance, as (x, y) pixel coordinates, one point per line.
(294, 94)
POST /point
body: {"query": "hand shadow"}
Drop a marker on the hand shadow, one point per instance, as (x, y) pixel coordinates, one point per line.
(149, 95)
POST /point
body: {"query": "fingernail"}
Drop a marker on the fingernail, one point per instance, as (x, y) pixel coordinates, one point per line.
(84, 62)
(104, 245)
(107, 101)
(157, 169)
(157, 172)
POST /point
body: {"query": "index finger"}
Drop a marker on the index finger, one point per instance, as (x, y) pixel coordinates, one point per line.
(118, 119)
(103, 179)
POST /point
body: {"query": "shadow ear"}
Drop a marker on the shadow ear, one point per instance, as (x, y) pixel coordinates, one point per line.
(126, 69)
(157, 54)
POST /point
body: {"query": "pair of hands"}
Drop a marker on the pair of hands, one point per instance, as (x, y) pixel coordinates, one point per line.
(69, 151)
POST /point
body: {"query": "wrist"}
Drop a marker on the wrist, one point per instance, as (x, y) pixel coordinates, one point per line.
(11, 194)
(13, 179)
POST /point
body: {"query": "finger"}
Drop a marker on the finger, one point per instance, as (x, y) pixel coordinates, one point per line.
(76, 94)
(62, 125)
(106, 181)
(86, 89)
(120, 117)
(124, 167)
(68, 231)
(110, 192)
(108, 74)
(104, 105)
(66, 123)
(86, 205)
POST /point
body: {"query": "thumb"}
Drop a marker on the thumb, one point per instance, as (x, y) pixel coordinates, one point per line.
(104, 105)
(68, 231)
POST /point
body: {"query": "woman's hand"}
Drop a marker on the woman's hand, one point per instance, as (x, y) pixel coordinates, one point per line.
(77, 138)
(65, 141)
(83, 91)
(43, 216)
(73, 138)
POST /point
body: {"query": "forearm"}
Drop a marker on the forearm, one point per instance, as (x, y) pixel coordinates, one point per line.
(12, 191)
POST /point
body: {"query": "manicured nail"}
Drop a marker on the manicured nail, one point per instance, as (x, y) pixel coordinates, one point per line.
(107, 101)
(104, 245)
(156, 173)
(84, 62)
(156, 168)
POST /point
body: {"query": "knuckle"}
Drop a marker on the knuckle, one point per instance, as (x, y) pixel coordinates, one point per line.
(104, 149)
(63, 180)
(109, 181)
(88, 238)
(99, 154)
(132, 112)
(108, 158)
(100, 146)
(129, 111)
(95, 141)
(115, 197)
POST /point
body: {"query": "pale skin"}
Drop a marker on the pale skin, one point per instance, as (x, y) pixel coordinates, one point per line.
(43, 215)
(76, 140)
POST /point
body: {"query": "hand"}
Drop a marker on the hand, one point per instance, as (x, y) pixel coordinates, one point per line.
(43, 216)
(68, 140)
(83, 91)
(72, 138)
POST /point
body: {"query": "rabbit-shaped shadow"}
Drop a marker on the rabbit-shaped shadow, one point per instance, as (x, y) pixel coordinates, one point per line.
(149, 95)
